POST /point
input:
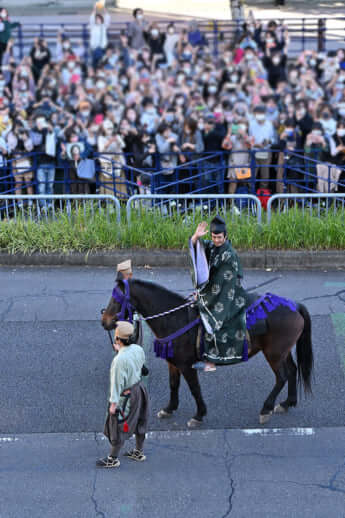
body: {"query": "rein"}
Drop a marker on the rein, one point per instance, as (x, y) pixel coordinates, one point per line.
(124, 300)
(162, 346)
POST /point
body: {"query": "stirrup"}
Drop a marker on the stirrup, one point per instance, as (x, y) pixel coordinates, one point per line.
(201, 366)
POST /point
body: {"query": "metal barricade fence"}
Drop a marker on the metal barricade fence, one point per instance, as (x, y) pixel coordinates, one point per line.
(313, 204)
(321, 34)
(196, 204)
(38, 207)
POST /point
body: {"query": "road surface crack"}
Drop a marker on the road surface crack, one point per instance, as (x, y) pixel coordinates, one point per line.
(229, 459)
(338, 294)
(93, 498)
(265, 283)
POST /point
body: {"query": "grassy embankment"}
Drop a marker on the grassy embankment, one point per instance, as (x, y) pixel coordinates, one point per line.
(287, 231)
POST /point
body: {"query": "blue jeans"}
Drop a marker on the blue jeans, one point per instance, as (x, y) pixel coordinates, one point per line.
(213, 173)
(45, 179)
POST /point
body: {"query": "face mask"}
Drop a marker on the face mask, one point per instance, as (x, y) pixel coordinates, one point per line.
(180, 79)
(187, 70)
(234, 78)
(301, 113)
(260, 117)
(139, 17)
(242, 127)
(249, 57)
(312, 62)
(66, 46)
(212, 89)
(85, 113)
(151, 111)
(24, 72)
(269, 40)
(70, 65)
(41, 122)
(154, 33)
(271, 109)
(89, 83)
(171, 31)
(100, 84)
(326, 116)
(2, 84)
(276, 61)
(341, 132)
(5, 118)
(124, 81)
(289, 132)
(169, 117)
(180, 101)
(342, 112)
(201, 126)
(318, 133)
(109, 131)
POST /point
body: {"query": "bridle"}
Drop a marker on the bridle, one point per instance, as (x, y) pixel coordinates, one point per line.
(163, 346)
(124, 300)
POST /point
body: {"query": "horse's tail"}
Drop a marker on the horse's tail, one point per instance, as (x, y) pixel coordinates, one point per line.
(304, 351)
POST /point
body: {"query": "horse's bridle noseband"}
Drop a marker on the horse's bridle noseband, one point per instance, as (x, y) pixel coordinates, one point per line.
(124, 300)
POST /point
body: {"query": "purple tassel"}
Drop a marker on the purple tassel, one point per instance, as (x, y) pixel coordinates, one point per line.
(270, 302)
(170, 349)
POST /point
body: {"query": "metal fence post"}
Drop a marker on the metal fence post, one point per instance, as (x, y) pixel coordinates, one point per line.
(85, 37)
(20, 42)
(253, 170)
(215, 36)
(303, 33)
(321, 33)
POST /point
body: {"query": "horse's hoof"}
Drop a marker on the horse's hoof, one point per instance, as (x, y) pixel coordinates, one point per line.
(163, 414)
(264, 418)
(194, 423)
(279, 409)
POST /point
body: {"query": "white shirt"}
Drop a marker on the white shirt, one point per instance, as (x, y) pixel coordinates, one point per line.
(262, 132)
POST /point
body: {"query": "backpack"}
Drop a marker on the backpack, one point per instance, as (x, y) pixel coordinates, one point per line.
(264, 195)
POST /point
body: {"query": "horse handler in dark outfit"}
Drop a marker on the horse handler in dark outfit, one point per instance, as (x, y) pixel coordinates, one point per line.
(128, 400)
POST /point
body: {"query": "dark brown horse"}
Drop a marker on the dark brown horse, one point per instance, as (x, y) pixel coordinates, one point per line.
(285, 329)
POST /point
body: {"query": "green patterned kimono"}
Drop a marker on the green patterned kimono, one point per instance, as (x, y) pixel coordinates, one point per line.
(222, 304)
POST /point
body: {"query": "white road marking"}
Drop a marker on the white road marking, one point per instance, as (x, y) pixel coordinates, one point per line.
(8, 439)
(279, 431)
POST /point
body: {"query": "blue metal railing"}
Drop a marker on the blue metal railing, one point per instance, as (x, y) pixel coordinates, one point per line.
(321, 34)
(208, 173)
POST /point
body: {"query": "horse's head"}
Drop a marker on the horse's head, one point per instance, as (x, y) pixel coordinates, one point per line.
(119, 307)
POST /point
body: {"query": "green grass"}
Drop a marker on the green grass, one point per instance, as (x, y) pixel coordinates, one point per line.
(286, 231)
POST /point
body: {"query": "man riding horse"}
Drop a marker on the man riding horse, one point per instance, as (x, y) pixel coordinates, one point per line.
(221, 297)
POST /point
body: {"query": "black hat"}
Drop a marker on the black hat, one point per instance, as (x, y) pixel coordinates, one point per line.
(218, 225)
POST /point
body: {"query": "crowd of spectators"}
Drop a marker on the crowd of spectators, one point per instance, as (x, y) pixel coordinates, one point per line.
(157, 98)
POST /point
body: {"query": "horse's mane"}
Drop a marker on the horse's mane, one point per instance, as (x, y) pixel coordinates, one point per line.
(160, 291)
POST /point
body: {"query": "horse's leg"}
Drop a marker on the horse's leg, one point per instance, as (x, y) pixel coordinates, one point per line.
(281, 374)
(292, 387)
(174, 381)
(191, 377)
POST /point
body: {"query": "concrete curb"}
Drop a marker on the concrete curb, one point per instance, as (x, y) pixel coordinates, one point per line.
(256, 259)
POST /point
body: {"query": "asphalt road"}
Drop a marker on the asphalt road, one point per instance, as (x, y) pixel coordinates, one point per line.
(55, 357)
(54, 362)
